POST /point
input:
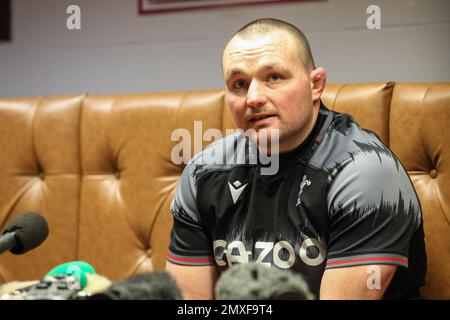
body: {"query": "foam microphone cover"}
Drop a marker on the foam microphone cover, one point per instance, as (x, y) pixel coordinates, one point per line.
(255, 281)
(30, 228)
(143, 286)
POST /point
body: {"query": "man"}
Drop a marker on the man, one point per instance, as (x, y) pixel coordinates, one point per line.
(340, 209)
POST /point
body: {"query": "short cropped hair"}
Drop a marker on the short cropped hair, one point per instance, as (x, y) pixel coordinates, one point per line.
(267, 25)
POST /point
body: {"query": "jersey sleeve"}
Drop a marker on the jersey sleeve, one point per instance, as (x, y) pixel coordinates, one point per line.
(190, 243)
(373, 212)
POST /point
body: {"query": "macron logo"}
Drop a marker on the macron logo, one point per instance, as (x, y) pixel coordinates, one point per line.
(236, 189)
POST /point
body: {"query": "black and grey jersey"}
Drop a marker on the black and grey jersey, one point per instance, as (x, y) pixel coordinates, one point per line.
(340, 199)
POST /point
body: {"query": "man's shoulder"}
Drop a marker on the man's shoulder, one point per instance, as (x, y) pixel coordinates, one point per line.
(224, 154)
(346, 141)
(358, 163)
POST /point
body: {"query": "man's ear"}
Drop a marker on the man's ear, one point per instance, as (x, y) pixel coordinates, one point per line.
(318, 79)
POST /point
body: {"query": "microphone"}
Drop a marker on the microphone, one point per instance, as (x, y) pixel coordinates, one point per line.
(25, 232)
(255, 281)
(143, 286)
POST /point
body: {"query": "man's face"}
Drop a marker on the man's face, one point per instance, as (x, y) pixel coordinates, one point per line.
(267, 87)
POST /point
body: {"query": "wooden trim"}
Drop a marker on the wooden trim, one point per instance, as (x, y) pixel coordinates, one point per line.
(5, 20)
(210, 5)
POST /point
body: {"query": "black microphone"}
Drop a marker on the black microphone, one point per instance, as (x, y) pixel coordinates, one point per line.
(143, 286)
(24, 233)
(255, 281)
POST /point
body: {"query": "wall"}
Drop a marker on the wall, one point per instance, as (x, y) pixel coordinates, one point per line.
(118, 51)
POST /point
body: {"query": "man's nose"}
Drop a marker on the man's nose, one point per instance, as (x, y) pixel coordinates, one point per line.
(255, 95)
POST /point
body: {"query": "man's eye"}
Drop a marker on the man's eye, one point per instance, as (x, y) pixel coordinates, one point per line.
(274, 77)
(240, 84)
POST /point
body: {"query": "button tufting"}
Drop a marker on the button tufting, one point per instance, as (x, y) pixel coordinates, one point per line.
(42, 175)
(433, 173)
(118, 174)
(149, 252)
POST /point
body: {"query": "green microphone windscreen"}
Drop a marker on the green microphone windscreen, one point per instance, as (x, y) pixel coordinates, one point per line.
(77, 269)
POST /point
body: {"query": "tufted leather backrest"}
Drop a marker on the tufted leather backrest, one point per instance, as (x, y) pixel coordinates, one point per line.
(420, 137)
(40, 171)
(99, 168)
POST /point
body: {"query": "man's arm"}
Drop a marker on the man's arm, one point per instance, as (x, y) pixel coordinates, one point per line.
(356, 283)
(373, 215)
(190, 259)
(195, 282)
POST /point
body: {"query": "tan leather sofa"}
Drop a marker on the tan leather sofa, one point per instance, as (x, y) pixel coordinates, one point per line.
(99, 169)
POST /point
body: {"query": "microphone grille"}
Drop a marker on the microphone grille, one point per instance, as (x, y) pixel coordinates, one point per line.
(156, 285)
(261, 283)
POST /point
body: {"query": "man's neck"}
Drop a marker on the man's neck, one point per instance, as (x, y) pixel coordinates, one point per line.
(294, 143)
